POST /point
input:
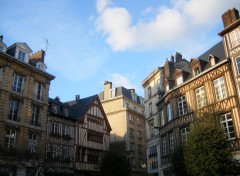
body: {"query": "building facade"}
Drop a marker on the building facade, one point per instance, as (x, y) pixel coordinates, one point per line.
(125, 112)
(60, 141)
(23, 108)
(203, 85)
(92, 134)
(152, 84)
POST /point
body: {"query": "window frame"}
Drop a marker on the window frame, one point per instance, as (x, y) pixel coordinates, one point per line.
(18, 83)
(32, 143)
(11, 136)
(220, 88)
(182, 106)
(36, 111)
(227, 125)
(237, 61)
(14, 109)
(21, 55)
(169, 112)
(202, 102)
(234, 38)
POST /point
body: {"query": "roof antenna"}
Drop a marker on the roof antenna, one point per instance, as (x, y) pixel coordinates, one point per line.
(46, 41)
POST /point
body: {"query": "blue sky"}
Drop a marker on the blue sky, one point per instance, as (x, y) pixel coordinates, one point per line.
(121, 41)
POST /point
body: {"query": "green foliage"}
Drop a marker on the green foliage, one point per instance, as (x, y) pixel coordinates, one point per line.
(207, 151)
(178, 164)
(114, 164)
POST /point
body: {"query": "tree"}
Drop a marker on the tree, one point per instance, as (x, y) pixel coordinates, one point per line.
(114, 164)
(207, 151)
(177, 161)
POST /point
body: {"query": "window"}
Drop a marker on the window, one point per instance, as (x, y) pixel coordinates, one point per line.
(139, 122)
(131, 118)
(169, 112)
(32, 143)
(65, 152)
(18, 82)
(149, 92)
(158, 84)
(179, 80)
(184, 133)
(150, 109)
(66, 130)
(238, 64)
(220, 89)
(131, 132)
(172, 142)
(134, 97)
(227, 125)
(196, 71)
(132, 147)
(182, 106)
(112, 93)
(66, 112)
(167, 87)
(151, 128)
(14, 111)
(1, 71)
(55, 152)
(235, 37)
(21, 55)
(93, 156)
(139, 134)
(201, 97)
(162, 118)
(35, 116)
(55, 128)
(140, 148)
(94, 119)
(164, 146)
(95, 136)
(38, 91)
(55, 109)
(10, 138)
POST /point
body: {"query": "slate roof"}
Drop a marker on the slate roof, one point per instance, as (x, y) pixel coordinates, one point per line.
(80, 107)
(217, 50)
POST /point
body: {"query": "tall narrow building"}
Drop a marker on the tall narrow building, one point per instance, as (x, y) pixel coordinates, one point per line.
(125, 112)
(153, 86)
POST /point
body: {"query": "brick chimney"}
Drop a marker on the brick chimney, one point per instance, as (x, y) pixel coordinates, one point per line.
(230, 17)
(178, 56)
(38, 56)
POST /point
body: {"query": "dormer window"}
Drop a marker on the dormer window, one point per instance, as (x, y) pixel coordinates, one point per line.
(196, 71)
(235, 37)
(212, 61)
(66, 112)
(41, 66)
(21, 55)
(55, 109)
(167, 87)
(179, 80)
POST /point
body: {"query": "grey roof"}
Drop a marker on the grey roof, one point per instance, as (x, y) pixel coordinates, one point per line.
(80, 107)
(217, 50)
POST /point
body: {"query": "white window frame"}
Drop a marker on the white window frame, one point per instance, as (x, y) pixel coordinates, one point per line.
(169, 112)
(238, 64)
(196, 71)
(32, 143)
(112, 93)
(55, 128)
(179, 80)
(11, 138)
(172, 142)
(184, 133)
(14, 109)
(227, 125)
(35, 116)
(164, 146)
(66, 130)
(38, 91)
(18, 83)
(21, 55)
(201, 98)
(234, 37)
(220, 88)
(182, 106)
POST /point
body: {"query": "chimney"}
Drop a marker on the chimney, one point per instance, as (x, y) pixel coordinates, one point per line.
(178, 56)
(77, 98)
(39, 56)
(57, 98)
(230, 17)
(1, 38)
(132, 90)
(107, 87)
(172, 58)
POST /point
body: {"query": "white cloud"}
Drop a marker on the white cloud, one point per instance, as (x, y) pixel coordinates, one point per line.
(120, 80)
(102, 4)
(172, 26)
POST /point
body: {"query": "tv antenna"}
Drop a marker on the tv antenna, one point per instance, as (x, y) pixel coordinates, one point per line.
(46, 41)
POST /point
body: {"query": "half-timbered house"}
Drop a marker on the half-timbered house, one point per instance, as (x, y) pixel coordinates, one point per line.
(92, 133)
(205, 84)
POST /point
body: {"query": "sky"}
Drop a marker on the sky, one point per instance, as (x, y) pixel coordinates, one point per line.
(88, 42)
